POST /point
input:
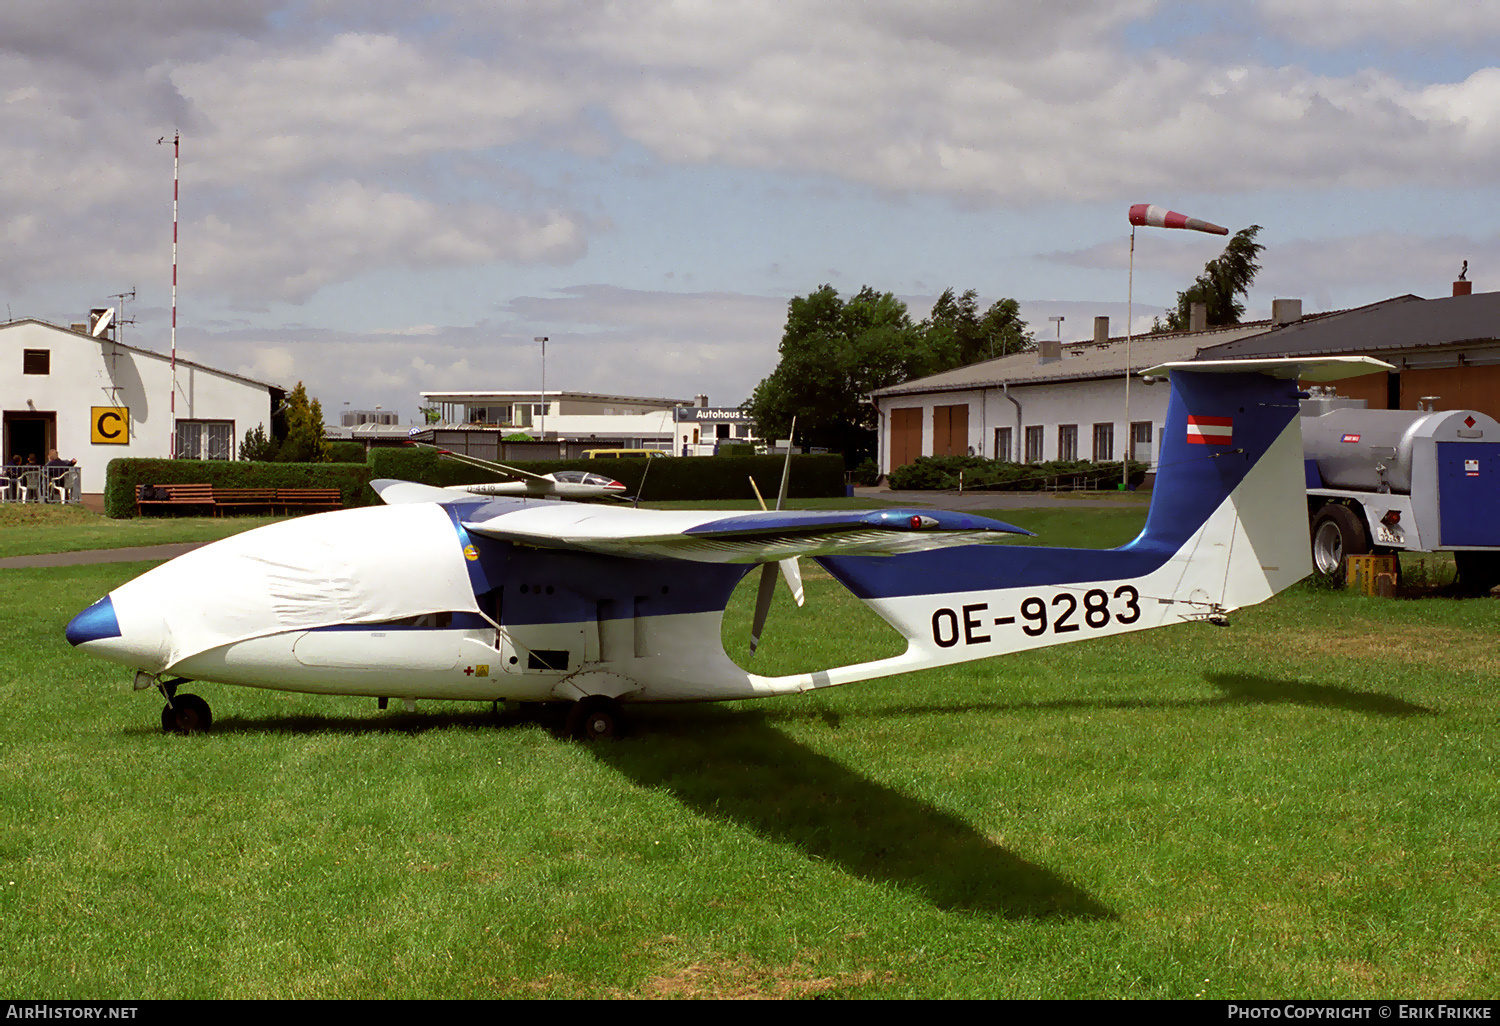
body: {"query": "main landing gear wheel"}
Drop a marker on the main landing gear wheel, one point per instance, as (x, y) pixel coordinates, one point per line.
(1336, 534)
(188, 714)
(595, 717)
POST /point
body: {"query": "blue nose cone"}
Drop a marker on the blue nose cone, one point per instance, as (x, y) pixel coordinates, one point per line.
(94, 623)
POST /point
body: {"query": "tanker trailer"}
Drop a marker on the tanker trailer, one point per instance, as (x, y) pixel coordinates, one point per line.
(1403, 480)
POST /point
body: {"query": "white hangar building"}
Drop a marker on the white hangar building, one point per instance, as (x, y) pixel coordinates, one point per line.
(94, 399)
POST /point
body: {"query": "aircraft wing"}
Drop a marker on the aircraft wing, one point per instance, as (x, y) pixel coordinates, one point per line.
(750, 537)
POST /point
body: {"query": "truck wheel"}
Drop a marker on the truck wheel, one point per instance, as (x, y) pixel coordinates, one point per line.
(1478, 572)
(1336, 533)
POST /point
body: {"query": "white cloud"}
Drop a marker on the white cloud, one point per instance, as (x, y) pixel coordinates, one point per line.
(1408, 263)
(1337, 22)
(602, 339)
(356, 100)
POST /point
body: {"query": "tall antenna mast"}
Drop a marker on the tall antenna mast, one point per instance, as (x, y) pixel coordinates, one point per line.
(121, 320)
(172, 405)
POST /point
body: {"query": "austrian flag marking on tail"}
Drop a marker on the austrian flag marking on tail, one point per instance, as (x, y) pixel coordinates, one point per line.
(1210, 430)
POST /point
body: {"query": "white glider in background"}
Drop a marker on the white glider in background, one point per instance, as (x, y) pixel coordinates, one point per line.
(576, 485)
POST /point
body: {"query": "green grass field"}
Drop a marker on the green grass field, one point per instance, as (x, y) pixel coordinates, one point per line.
(1301, 805)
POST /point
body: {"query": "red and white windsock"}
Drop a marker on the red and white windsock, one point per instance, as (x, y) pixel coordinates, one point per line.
(1153, 216)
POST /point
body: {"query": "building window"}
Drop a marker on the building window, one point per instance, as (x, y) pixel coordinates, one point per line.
(1034, 444)
(1104, 443)
(1140, 441)
(205, 439)
(1067, 441)
(36, 361)
(1002, 445)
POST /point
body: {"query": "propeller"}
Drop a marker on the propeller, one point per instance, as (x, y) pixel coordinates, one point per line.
(790, 570)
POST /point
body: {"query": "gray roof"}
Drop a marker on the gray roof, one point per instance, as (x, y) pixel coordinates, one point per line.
(1404, 322)
(1080, 361)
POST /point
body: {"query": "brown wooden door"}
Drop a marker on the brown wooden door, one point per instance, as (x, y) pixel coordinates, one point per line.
(906, 436)
(950, 430)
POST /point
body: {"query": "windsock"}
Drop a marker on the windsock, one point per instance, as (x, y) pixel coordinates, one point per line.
(1153, 216)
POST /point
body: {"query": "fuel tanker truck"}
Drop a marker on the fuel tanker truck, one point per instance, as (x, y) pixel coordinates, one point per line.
(1387, 481)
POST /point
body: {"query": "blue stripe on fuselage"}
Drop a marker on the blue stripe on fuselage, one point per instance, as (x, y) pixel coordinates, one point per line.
(537, 586)
(556, 586)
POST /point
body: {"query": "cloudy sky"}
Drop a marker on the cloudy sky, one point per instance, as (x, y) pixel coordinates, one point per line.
(382, 197)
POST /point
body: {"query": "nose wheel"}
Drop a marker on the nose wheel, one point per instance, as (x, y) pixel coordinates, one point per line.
(594, 718)
(186, 714)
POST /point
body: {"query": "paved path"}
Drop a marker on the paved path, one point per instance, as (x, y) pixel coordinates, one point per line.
(136, 554)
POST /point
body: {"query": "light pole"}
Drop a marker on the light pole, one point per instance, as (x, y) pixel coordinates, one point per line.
(1059, 319)
(543, 340)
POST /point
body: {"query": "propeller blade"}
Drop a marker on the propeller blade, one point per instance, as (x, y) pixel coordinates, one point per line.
(792, 571)
(762, 603)
(786, 468)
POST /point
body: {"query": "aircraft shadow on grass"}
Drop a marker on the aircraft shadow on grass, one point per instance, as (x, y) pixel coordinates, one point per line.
(1237, 688)
(734, 766)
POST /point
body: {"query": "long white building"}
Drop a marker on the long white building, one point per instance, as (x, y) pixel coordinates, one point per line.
(1060, 402)
(95, 399)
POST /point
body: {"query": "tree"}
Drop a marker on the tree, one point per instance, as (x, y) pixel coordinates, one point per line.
(258, 446)
(305, 440)
(955, 335)
(833, 354)
(1226, 276)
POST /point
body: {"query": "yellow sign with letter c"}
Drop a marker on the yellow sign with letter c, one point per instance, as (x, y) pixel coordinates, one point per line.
(110, 425)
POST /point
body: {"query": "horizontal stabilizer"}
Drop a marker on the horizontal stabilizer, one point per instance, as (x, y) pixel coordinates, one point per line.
(1287, 368)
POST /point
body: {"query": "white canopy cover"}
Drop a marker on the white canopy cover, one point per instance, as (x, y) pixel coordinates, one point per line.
(364, 565)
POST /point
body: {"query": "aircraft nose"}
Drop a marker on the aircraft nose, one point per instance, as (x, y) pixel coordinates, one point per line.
(139, 642)
(95, 623)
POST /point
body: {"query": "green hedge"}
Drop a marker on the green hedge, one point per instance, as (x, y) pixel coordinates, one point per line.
(124, 474)
(941, 472)
(670, 478)
(346, 452)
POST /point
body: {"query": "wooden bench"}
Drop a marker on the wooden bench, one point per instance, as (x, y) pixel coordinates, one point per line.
(310, 498)
(244, 498)
(177, 495)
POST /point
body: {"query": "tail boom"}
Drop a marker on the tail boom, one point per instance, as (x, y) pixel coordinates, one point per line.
(1225, 530)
